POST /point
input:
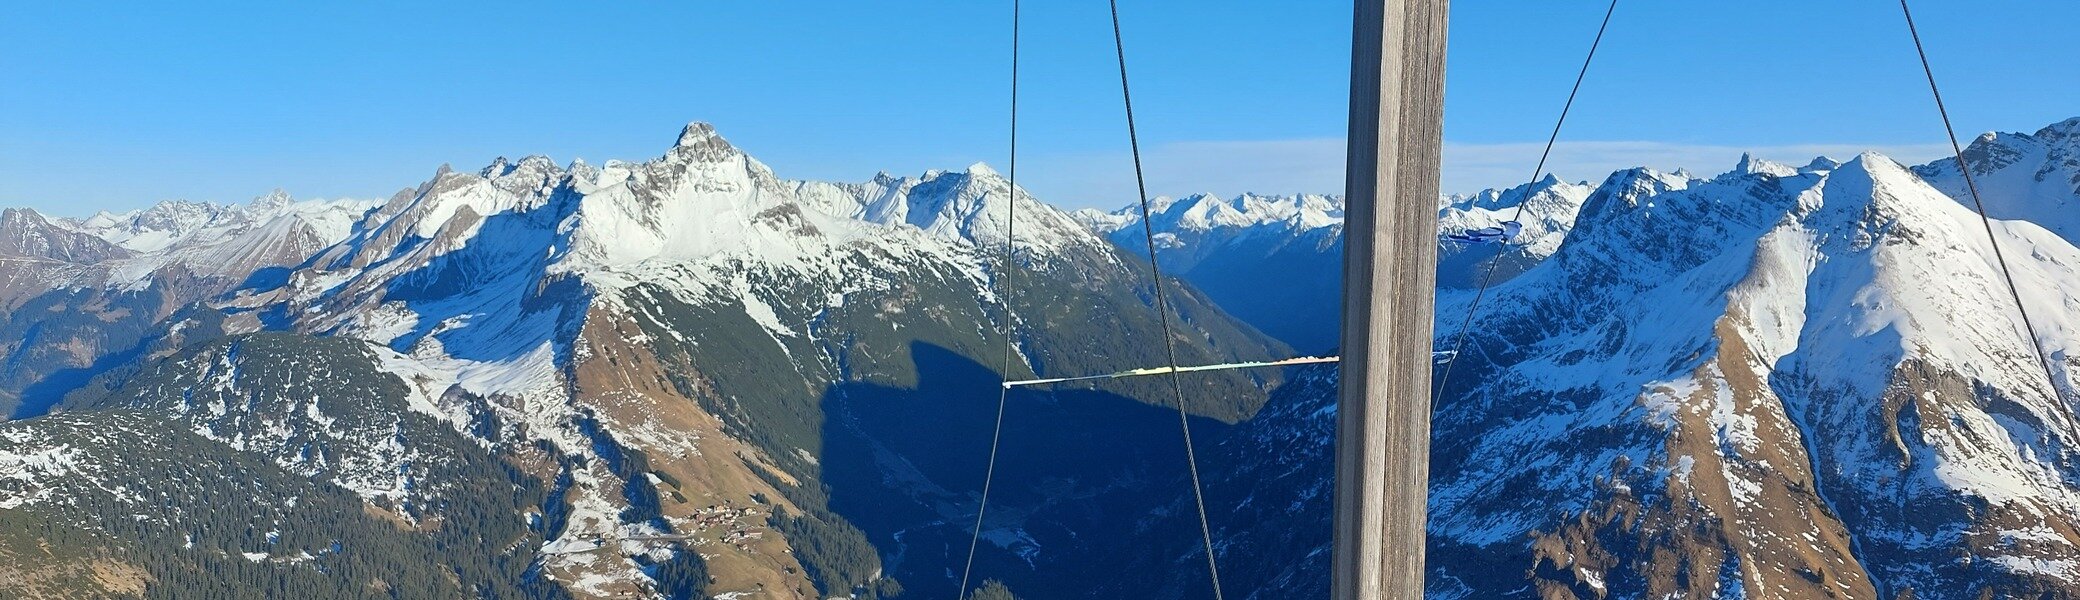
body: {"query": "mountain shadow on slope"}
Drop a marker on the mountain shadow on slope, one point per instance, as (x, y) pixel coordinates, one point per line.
(63, 338)
(502, 278)
(1290, 289)
(1083, 477)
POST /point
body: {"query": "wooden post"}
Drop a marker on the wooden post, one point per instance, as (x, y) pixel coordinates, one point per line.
(1389, 289)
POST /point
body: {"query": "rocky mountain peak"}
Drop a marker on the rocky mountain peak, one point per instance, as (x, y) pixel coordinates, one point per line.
(1749, 165)
(2020, 176)
(698, 142)
(696, 133)
(272, 201)
(2061, 131)
(26, 233)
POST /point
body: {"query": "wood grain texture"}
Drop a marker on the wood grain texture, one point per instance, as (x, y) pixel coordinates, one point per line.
(1390, 275)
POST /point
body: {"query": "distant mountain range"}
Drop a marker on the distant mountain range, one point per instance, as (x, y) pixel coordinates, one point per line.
(689, 377)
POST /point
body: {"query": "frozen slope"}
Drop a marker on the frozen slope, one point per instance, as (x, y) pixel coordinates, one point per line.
(2021, 176)
(694, 319)
(1803, 384)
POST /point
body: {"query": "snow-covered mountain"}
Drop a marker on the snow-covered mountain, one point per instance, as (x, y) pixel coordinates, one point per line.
(2021, 176)
(1809, 358)
(689, 376)
(26, 235)
(1275, 261)
(1778, 382)
(266, 465)
(1199, 226)
(1546, 209)
(1232, 248)
(653, 341)
(78, 292)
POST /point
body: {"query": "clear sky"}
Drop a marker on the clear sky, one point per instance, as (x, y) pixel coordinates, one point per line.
(114, 107)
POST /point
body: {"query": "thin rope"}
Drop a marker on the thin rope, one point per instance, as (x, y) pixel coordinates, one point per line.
(1466, 324)
(1213, 570)
(1303, 360)
(1006, 291)
(1972, 185)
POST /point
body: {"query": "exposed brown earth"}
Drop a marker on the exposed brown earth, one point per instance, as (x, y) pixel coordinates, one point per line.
(700, 471)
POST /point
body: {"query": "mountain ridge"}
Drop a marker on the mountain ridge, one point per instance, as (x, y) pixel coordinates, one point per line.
(1769, 380)
(649, 341)
(688, 375)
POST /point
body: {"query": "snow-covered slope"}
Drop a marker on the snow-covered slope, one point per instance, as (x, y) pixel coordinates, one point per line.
(1807, 381)
(1785, 381)
(695, 310)
(2021, 176)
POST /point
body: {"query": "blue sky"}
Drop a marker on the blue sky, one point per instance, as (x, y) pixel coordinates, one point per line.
(114, 107)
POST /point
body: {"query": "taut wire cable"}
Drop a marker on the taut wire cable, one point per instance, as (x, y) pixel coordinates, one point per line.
(1213, 571)
(1005, 292)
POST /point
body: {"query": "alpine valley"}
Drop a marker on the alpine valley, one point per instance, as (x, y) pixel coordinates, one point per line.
(688, 377)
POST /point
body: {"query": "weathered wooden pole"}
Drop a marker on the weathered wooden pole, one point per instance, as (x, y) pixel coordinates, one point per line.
(1389, 288)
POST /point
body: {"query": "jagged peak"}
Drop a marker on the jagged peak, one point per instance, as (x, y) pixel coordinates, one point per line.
(582, 172)
(981, 169)
(1628, 184)
(272, 200)
(696, 133)
(26, 232)
(497, 167)
(1750, 165)
(502, 166)
(20, 216)
(2062, 130)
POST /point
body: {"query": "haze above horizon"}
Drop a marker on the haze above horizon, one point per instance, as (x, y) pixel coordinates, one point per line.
(115, 107)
